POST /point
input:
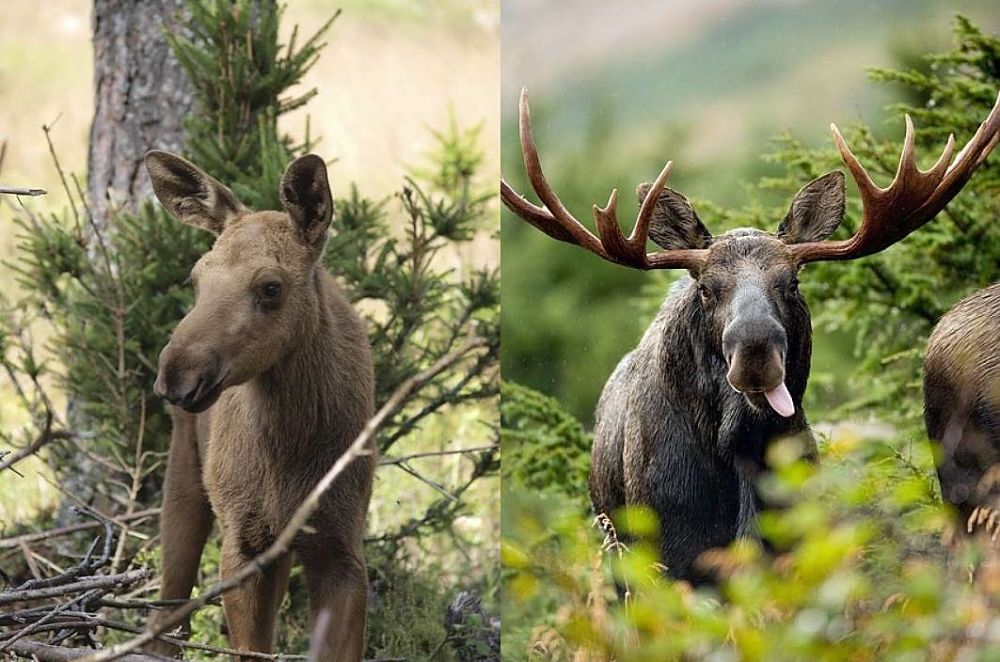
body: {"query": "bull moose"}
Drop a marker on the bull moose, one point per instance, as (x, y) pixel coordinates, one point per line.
(271, 377)
(684, 421)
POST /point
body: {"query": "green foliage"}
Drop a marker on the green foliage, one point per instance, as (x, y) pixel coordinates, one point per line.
(859, 571)
(408, 618)
(112, 302)
(240, 72)
(431, 306)
(545, 449)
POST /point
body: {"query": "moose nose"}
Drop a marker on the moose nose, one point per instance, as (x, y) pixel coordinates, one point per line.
(185, 378)
(755, 352)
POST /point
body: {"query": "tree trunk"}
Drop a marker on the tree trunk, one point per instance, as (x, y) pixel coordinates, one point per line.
(141, 97)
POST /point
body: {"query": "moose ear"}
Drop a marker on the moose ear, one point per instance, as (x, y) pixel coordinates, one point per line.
(675, 224)
(189, 194)
(305, 194)
(816, 210)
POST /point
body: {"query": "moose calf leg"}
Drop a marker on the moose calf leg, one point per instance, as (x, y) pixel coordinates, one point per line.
(252, 608)
(338, 584)
(185, 522)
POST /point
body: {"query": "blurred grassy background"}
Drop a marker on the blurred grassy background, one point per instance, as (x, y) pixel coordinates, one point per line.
(391, 73)
(618, 90)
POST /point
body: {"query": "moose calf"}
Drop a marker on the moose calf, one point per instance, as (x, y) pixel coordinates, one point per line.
(271, 377)
(684, 422)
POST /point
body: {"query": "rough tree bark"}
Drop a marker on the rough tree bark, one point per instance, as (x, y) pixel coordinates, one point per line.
(141, 96)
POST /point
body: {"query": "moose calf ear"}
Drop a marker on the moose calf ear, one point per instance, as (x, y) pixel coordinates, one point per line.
(305, 194)
(816, 210)
(189, 194)
(675, 224)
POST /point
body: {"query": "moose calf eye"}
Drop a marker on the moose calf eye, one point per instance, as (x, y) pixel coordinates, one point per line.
(271, 290)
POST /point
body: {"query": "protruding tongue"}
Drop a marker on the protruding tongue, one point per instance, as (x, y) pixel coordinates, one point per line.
(781, 400)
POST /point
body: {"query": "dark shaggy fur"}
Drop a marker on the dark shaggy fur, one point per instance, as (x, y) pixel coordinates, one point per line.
(672, 433)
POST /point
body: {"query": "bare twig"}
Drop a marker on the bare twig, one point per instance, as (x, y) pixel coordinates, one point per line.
(9, 543)
(47, 129)
(14, 190)
(45, 653)
(29, 558)
(39, 625)
(433, 484)
(47, 435)
(361, 446)
(101, 581)
(454, 451)
(85, 622)
(133, 491)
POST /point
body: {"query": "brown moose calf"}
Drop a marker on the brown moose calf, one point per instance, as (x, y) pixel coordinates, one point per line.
(271, 376)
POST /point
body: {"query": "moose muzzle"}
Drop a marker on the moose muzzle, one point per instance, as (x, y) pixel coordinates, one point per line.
(754, 344)
(189, 377)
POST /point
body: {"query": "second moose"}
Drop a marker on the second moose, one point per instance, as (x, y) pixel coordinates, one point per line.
(271, 374)
(684, 422)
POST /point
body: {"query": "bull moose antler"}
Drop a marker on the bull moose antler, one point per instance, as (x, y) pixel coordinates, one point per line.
(889, 214)
(912, 199)
(554, 220)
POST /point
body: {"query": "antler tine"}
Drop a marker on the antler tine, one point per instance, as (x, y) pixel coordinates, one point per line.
(536, 216)
(907, 166)
(912, 199)
(614, 242)
(641, 231)
(941, 166)
(865, 184)
(634, 247)
(556, 221)
(533, 167)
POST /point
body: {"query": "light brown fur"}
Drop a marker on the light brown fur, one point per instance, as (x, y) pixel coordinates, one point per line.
(293, 388)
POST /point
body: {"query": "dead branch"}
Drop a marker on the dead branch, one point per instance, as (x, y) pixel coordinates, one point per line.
(47, 435)
(14, 190)
(387, 461)
(87, 566)
(436, 516)
(101, 581)
(360, 446)
(16, 541)
(45, 653)
(87, 622)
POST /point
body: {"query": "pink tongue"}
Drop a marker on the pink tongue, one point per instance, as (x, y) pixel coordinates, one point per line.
(781, 400)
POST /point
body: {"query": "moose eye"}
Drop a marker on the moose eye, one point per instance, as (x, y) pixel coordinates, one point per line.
(271, 290)
(706, 292)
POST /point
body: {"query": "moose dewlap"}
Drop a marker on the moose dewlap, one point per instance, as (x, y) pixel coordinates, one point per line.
(683, 423)
(271, 377)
